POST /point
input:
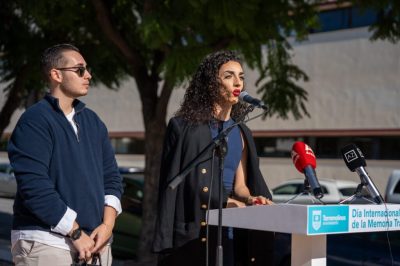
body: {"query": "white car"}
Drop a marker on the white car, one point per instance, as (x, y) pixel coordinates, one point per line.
(334, 192)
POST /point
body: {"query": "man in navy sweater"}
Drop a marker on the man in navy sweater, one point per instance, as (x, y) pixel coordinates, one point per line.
(69, 186)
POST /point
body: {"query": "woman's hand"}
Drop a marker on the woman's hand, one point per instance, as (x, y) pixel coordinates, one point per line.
(258, 200)
(232, 203)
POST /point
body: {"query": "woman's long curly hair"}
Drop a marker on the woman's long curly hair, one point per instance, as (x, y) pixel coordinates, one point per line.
(198, 104)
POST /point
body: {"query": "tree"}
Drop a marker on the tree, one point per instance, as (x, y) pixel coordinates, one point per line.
(15, 70)
(387, 26)
(164, 40)
(159, 44)
(25, 32)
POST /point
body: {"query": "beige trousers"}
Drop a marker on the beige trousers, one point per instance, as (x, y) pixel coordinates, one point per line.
(26, 252)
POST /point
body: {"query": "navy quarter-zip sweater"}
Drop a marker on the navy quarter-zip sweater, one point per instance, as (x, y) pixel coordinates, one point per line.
(56, 168)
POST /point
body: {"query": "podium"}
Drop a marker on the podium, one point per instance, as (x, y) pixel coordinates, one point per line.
(309, 224)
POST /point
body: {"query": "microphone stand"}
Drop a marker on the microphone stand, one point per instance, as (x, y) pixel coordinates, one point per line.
(357, 196)
(220, 144)
(221, 151)
(306, 192)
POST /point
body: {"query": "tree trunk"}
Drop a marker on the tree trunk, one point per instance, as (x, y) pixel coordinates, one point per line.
(153, 148)
(154, 116)
(14, 99)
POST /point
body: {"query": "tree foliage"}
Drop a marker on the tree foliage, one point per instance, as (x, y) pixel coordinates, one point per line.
(153, 41)
(387, 26)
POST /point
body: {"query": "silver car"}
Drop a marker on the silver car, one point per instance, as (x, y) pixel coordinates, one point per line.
(8, 185)
(334, 191)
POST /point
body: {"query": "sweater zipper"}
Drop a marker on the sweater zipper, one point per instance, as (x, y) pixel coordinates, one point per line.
(72, 127)
(77, 125)
(77, 128)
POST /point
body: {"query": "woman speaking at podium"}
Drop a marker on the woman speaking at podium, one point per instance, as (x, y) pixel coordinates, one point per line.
(210, 105)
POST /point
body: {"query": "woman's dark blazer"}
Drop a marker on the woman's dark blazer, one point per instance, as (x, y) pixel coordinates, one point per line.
(182, 211)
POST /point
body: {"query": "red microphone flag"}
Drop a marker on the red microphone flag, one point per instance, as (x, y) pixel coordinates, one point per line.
(302, 156)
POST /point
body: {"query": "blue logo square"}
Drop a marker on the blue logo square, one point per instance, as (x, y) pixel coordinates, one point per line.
(327, 219)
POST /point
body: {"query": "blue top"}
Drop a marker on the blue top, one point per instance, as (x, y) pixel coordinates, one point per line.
(56, 168)
(234, 154)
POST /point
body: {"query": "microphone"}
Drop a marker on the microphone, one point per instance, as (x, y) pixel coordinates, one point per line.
(245, 97)
(355, 161)
(304, 159)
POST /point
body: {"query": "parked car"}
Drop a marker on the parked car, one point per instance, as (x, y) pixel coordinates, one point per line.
(8, 184)
(392, 193)
(128, 224)
(334, 191)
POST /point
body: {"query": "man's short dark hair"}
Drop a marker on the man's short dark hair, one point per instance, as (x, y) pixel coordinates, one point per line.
(52, 57)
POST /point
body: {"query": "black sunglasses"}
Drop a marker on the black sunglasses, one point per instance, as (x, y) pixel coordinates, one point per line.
(80, 70)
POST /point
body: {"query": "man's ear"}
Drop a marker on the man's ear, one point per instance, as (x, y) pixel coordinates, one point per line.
(55, 75)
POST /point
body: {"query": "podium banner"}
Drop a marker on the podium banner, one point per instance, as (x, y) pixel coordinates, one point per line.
(309, 225)
(352, 218)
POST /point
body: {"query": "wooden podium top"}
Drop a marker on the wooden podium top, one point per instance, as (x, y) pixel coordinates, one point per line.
(312, 219)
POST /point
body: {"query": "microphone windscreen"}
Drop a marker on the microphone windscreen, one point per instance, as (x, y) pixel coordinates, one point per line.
(302, 156)
(353, 157)
(242, 95)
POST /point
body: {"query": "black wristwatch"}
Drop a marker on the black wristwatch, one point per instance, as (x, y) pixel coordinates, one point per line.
(76, 234)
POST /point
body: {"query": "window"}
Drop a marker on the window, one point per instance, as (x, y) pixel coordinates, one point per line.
(128, 145)
(397, 188)
(290, 189)
(373, 147)
(347, 191)
(345, 18)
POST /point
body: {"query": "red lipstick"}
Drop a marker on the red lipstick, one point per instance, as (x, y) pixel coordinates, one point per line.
(236, 92)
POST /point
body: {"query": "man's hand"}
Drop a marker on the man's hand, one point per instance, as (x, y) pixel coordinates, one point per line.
(103, 232)
(84, 245)
(100, 236)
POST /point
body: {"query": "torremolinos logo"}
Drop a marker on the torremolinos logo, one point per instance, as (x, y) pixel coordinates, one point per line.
(316, 219)
(325, 219)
